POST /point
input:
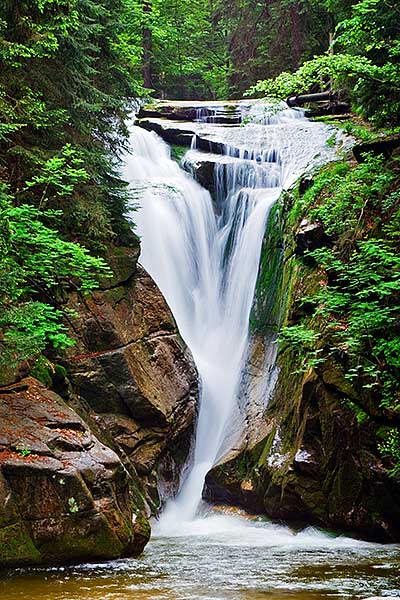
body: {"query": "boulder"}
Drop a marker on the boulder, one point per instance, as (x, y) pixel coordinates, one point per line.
(64, 495)
(310, 236)
(182, 135)
(135, 376)
(168, 131)
(168, 111)
(385, 146)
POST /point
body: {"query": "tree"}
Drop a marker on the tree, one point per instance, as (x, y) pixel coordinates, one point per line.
(365, 64)
(69, 71)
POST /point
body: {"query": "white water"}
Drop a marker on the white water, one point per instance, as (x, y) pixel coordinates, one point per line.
(205, 262)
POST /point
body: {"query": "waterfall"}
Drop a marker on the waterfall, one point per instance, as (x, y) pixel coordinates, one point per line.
(204, 256)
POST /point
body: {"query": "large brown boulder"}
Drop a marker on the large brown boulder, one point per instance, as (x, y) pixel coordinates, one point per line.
(64, 496)
(135, 375)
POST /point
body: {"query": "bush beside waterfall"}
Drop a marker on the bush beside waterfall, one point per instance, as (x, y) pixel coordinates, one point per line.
(350, 315)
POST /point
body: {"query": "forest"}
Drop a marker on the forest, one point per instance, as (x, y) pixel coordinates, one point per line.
(73, 73)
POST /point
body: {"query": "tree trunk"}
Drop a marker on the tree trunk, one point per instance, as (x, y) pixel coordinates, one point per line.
(147, 46)
(297, 45)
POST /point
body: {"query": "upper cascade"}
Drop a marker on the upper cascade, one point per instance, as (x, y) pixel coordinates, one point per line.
(204, 254)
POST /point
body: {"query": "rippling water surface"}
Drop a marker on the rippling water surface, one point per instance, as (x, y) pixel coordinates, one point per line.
(224, 558)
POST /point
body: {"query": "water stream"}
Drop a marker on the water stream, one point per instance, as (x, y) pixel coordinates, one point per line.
(233, 560)
(204, 255)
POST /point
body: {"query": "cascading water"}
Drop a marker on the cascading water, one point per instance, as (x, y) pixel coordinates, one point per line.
(219, 114)
(204, 257)
(219, 557)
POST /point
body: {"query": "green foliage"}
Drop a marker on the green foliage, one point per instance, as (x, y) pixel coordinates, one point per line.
(362, 313)
(207, 50)
(58, 176)
(361, 415)
(299, 336)
(69, 72)
(73, 506)
(348, 193)
(68, 77)
(265, 38)
(366, 64)
(353, 315)
(188, 53)
(304, 341)
(28, 330)
(360, 131)
(24, 452)
(390, 447)
(324, 68)
(36, 268)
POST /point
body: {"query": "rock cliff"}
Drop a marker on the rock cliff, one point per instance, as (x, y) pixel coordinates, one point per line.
(64, 495)
(82, 464)
(313, 455)
(135, 374)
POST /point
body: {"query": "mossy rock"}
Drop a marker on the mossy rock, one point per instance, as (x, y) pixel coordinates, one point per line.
(16, 546)
(178, 152)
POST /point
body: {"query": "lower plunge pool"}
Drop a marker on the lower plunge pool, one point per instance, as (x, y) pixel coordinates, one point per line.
(224, 557)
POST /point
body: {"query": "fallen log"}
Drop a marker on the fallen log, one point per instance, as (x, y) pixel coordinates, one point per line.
(326, 103)
(301, 99)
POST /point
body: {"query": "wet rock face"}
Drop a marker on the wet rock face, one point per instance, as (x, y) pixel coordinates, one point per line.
(310, 236)
(64, 496)
(314, 462)
(317, 465)
(137, 377)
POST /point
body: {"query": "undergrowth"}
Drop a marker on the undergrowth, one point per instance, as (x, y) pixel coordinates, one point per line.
(353, 316)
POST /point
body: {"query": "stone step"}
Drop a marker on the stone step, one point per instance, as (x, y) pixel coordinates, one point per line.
(184, 136)
(223, 114)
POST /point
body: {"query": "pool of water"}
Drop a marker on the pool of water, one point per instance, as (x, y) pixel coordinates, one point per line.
(224, 558)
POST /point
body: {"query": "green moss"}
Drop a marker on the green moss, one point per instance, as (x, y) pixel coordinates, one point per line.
(267, 308)
(142, 530)
(242, 466)
(16, 546)
(43, 371)
(138, 501)
(60, 371)
(178, 152)
(71, 544)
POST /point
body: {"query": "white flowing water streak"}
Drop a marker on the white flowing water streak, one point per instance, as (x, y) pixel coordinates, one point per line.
(205, 261)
